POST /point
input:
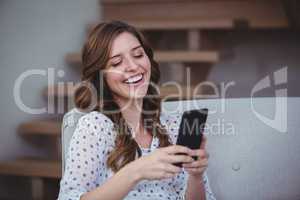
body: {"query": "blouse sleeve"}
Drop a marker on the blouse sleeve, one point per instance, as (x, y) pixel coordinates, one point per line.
(87, 154)
(180, 185)
(208, 192)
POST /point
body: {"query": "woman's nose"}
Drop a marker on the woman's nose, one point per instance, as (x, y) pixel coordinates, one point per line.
(131, 65)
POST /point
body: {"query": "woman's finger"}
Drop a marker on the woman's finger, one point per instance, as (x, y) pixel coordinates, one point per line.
(178, 159)
(196, 164)
(174, 149)
(199, 153)
(169, 168)
(195, 170)
(203, 142)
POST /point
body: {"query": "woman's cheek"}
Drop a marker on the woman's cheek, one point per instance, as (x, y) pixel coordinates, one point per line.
(114, 77)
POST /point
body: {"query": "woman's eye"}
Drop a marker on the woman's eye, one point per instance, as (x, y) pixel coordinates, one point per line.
(115, 64)
(138, 55)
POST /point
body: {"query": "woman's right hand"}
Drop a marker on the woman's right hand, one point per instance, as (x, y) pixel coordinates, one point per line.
(160, 164)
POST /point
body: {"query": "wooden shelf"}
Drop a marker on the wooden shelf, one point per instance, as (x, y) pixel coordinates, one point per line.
(166, 56)
(187, 56)
(137, 1)
(61, 91)
(179, 24)
(196, 14)
(31, 167)
(73, 58)
(46, 127)
(182, 24)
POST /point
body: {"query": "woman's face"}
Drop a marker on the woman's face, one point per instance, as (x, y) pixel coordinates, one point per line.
(128, 70)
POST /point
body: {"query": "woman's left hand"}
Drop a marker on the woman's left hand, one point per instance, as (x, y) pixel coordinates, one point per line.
(197, 167)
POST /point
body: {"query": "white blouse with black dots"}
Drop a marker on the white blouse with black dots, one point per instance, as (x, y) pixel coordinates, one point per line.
(86, 167)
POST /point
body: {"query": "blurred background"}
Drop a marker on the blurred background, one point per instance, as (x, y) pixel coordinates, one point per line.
(233, 43)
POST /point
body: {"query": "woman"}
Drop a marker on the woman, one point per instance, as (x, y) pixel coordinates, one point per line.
(123, 149)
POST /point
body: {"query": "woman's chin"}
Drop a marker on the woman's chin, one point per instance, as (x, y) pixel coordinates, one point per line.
(131, 93)
(127, 96)
(138, 95)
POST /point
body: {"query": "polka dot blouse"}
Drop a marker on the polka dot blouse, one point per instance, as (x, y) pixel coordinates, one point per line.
(86, 167)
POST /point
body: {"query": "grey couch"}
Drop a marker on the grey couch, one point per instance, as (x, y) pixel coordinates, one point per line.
(254, 145)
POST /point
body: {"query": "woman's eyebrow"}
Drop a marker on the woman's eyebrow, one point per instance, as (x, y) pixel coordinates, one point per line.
(134, 48)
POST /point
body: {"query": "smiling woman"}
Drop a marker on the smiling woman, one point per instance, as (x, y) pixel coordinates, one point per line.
(129, 68)
(124, 149)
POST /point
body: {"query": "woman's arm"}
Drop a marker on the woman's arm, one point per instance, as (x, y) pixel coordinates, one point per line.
(158, 165)
(86, 167)
(115, 188)
(195, 188)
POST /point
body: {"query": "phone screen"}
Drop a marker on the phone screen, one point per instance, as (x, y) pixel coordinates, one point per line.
(191, 129)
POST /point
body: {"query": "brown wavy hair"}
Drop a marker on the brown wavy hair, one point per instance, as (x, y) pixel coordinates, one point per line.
(95, 56)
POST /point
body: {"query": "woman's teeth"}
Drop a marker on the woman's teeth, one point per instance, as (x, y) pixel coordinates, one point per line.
(134, 79)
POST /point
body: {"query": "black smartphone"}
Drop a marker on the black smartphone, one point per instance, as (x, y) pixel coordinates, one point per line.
(191, 129)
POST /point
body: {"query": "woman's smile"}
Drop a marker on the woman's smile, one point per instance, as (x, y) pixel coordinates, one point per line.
(133, 80)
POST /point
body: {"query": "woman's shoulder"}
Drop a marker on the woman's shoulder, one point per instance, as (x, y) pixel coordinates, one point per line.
(98, 123)
(96, 117)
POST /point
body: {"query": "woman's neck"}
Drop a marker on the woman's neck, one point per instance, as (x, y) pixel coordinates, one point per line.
(132, 113)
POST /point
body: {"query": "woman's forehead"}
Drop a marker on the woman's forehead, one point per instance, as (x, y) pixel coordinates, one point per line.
(123, 43)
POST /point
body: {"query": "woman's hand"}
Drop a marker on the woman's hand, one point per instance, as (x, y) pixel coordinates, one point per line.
(160, 164)
(197, 167)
